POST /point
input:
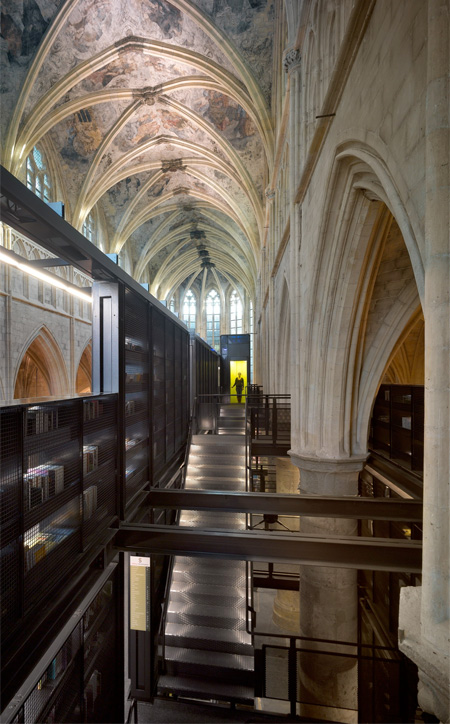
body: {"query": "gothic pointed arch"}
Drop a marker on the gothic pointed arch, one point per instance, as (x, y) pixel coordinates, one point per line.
(364, 293)
(41, 370)
(83, 381)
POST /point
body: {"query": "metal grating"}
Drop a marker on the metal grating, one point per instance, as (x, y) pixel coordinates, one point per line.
(136, 393)
(99, 464)
(10, 512)
(158, 392)
(57, 695)
(100, 653)
(50, 547)
(276, 673)
(51, 494)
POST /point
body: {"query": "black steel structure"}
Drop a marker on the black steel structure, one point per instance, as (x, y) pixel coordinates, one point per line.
(79, 477)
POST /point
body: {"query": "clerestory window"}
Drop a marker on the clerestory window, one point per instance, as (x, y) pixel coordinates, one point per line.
(38, 179)
(190, 309)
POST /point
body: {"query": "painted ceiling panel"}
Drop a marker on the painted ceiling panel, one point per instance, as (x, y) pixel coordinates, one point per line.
(157, 114)
(248, 23)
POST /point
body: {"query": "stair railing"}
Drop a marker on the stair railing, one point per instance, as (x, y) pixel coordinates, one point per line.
(168, 585)
(164, 607)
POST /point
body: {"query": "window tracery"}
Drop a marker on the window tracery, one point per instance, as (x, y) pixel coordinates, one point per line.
(38, 179)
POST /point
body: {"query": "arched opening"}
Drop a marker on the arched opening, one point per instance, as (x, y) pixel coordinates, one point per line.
(41, 371)
(83, 383)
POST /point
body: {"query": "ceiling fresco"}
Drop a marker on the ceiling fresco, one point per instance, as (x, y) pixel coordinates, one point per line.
(156, 116)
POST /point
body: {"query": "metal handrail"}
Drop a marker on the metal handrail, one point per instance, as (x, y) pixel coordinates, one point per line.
(164, 606)
(165, 601)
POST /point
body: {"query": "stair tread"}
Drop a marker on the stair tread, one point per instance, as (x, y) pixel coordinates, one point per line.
(205, 610)
(223, 593)
(209, 633)
(201, 657)
(215, 601)
(204, 687)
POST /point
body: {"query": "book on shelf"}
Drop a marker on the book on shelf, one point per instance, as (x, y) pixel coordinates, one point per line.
(40, 419)
(130, 407)
(43, 482)
(89, 502)
(92, 410)
(132, 344)
(90, 458)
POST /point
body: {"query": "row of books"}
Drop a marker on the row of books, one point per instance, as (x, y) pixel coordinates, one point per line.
(43, 482)
(89, 502)
(92, 409)
(41, 419)
(90, 458)
(132, 344)
(37, 547)
(134, 377)
(130, 407)
(131, 442)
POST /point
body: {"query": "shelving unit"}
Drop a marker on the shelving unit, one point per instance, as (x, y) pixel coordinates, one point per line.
(81, 683)
(136, 388)
(58, 495)
(99, 464)
(397, 425)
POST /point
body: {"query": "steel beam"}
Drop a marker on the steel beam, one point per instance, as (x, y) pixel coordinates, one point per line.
(377, 554)
(310, 505)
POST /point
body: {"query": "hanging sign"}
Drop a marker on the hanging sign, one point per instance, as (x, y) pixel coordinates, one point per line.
(139, 593)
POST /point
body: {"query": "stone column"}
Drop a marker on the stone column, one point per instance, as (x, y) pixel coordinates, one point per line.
(292, 63)
(286, 609)
(424, 620)
(328, 596)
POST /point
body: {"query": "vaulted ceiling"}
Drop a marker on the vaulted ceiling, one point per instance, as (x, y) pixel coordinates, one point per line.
(154, 114)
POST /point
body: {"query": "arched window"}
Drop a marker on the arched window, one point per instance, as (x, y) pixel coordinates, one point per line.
(235, 313)
(38, 179)
(213, 319)
(89, 228)
(190, 309)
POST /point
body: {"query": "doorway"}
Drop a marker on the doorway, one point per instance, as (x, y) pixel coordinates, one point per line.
(237, 366)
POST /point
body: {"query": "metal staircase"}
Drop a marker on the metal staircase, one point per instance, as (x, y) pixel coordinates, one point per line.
(208, 652)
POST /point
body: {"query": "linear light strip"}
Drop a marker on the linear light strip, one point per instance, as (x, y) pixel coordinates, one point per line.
(12, 259)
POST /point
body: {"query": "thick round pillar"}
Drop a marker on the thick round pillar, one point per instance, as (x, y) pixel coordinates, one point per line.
(286, 608)
(328, 596)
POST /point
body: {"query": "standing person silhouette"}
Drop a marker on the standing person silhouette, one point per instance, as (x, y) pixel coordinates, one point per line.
(239, 384)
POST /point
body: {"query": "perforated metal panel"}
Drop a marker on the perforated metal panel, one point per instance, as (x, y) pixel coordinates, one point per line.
(57, 695)
(159, 391)
(52, 487)
(136, 344)
(100, 654)
(10, 512)
(99, 464)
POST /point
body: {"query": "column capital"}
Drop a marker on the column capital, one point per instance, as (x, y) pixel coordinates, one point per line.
(315, 464)
(291, 59)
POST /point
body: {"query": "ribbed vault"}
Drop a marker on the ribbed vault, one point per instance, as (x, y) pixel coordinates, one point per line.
(157, 116)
